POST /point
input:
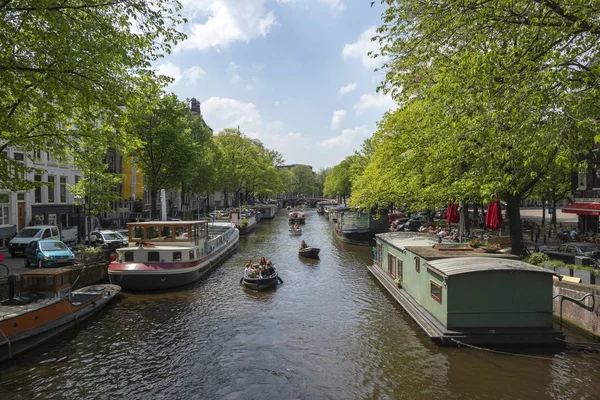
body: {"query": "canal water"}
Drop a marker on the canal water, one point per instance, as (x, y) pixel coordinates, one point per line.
(328, 332)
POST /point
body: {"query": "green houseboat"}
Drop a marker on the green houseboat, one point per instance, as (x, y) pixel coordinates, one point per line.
(461, 295)
(356, 227)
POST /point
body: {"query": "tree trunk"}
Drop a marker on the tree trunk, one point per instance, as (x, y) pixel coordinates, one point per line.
(513, 214)
(464, 218)
(553, 218)
(543, 211)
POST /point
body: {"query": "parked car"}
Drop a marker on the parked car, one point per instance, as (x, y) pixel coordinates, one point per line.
(568, 251)
(19, 243)
(411, 225)
(48, 253)
(108, 239)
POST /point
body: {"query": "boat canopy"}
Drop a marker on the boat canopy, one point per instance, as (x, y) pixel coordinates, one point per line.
(53, 280)
(167, 231)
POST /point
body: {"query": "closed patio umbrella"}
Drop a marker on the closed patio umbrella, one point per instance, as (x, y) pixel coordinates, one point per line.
(452, 214)
(493, 218)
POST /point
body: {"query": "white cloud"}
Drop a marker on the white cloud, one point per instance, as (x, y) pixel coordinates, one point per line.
(337, 118)
(233, 66)
(376, 101)
(348, 140)
(361, 48)
(336, 5)
(218, 23)
(193, 74)
(295, 147)
(235, 78)
(347, 89)
(252, 83)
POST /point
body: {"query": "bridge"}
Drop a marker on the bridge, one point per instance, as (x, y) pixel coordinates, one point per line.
(295, 201)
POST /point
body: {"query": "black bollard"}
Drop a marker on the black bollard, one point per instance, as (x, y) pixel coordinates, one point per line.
(544, 239)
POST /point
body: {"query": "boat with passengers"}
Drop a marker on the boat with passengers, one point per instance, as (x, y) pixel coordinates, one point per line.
(168, 254)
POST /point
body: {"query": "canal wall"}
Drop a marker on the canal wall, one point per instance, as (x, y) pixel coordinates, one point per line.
(584, 316)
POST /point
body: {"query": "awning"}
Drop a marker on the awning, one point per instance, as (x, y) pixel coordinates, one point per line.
(583, 209)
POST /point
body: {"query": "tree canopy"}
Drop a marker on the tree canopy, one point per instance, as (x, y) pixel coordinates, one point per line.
(65, 64)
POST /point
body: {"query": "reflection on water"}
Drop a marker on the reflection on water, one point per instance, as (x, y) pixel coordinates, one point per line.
(328, 332)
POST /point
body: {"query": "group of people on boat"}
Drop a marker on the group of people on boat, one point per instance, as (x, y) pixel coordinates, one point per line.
(295, 227)
(264, 269)
(303, 245)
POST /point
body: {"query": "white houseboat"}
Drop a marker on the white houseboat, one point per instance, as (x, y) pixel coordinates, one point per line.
(166, 254)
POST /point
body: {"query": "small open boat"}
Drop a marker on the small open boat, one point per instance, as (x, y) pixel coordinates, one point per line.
(310, 252)
(295, 231)
(261, 283)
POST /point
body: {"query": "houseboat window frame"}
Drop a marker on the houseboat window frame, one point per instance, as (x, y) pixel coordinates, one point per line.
(378, 256)
(399, 269)
(391, 267)
(418, 264)
(191, 254)
(177, 256)
(153, 253)
(128, 256)
(433, 284)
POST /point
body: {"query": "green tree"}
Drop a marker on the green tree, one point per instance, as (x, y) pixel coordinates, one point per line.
(67, 63)
(162, 123)
(304, 179)
(503, 91)
(320, 178)
(338, 182)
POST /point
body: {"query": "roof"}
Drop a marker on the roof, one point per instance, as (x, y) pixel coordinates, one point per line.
(401, 240)
(465, 265)
(169, 223)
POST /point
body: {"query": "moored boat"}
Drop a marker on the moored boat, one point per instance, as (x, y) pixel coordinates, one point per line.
(171, 253)
(261, 282)
(310, 252)
(45, 307)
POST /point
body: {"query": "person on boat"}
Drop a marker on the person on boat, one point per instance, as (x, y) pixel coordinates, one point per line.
(270, 268)
(262, 262)
(303, 245)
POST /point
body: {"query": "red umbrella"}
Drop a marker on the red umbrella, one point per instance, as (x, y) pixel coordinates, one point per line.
(493, 218)
(452, 214)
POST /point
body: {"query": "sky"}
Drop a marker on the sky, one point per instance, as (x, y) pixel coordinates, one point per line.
(294, 74)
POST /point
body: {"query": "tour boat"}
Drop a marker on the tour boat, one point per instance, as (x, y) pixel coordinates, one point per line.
(309, 252)
(167, 254)
(45, 307)
(296, 216)
(295, 231)
(261, 283)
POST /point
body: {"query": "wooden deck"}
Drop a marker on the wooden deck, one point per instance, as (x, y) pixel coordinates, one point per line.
(473, 336)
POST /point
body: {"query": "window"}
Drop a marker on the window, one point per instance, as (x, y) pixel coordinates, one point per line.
(37, 155)
(38, 189)
(391, 265)
(399, 266)
(129, 256)
(197, 253)
(191, 254)
(436, 291)
(176, 256)
(4, 208)
(63, 189)
(153, 256)
(378, 255)
(51, 188)
(19, 156)
(418, 264)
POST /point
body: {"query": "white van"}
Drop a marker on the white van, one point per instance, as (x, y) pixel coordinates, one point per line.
(17, 245)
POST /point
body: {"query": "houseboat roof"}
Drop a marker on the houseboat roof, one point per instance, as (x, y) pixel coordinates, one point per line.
(170, 223)
(465, 265)
(401, 240)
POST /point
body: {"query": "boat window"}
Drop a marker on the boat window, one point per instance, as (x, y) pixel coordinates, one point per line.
(137, 233)
(399, 267)
(191, 254)
(167, 233)
(151, 232)
(176, 256)
(436, 291)
(418, 264)
(129, 256)
(197, 253)
(378, 259)
(391, 265)
(38, 283)
(153, 256)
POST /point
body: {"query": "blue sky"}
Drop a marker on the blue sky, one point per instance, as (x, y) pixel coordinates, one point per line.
(292, 73)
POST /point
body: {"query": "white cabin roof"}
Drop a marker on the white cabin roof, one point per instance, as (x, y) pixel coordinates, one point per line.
(466, 265)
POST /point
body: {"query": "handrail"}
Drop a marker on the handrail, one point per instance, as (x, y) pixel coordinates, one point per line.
(576, 301)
